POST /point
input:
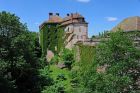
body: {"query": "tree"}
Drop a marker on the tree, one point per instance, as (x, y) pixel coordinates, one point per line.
(68, 57)
(115, 68)
(19, 57)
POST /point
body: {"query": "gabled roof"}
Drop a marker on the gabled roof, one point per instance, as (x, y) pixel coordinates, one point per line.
(129, 24)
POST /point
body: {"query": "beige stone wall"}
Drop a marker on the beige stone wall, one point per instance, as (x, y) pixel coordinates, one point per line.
(74, 33)
(49, 55)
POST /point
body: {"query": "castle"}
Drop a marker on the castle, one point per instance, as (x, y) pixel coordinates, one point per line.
(74, 26)
(76, 31)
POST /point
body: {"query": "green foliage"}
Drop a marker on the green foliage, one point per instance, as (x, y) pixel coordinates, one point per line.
(86, 57)
(19, 57)
(55, 60)
(61, 80)
(51, 37)
(44, 76)
(57, 88)
(61, 77)
(68, 57)
(120, 60)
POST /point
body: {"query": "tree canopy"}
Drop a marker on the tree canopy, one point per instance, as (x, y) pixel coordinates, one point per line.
(115, 68)
(19, 57)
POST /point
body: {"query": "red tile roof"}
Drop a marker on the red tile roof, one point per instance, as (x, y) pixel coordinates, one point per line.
(55, 19)
(52, 19)
(73, 18)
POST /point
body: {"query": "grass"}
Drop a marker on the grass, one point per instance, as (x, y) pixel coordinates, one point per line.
(55, 71)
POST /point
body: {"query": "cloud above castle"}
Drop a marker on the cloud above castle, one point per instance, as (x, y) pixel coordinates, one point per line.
(111, 19)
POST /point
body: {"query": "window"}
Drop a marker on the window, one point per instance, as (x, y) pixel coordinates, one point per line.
(77, 37)
(81, 19)
(79, 29)
(68, 28)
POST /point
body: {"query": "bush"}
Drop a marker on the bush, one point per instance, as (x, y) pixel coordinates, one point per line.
(61, 77)
(68, 57)
(118, 61)
(55, 60)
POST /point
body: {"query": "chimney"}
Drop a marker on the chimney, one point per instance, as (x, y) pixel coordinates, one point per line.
(57, 14)
(68, 14)
(50, 14)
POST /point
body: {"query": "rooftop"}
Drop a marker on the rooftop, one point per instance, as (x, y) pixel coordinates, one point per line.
(69, 19)
(53, 19)
(73, 18)
(129, 24)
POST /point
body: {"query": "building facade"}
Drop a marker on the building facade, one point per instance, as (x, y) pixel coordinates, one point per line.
(76, 29)
(50, 33)
(74, 26)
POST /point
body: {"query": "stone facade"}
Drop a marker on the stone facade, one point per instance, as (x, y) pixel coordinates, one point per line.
(74, 25)
(74, 33)
(76, 29)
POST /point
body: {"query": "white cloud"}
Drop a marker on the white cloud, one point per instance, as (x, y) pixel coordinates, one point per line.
(84, 1)
(111, 19)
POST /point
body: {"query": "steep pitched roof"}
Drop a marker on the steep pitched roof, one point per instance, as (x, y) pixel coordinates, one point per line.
(129, 24)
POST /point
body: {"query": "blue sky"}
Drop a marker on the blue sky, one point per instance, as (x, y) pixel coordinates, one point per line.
(100, 14)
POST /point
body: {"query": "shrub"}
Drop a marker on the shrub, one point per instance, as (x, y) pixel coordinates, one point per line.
(68, 57)
(61, 77)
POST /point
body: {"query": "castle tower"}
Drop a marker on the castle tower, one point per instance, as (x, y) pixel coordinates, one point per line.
(76, 29)
(48, 32)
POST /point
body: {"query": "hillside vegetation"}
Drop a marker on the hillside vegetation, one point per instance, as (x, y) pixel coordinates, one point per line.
(111, 67)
